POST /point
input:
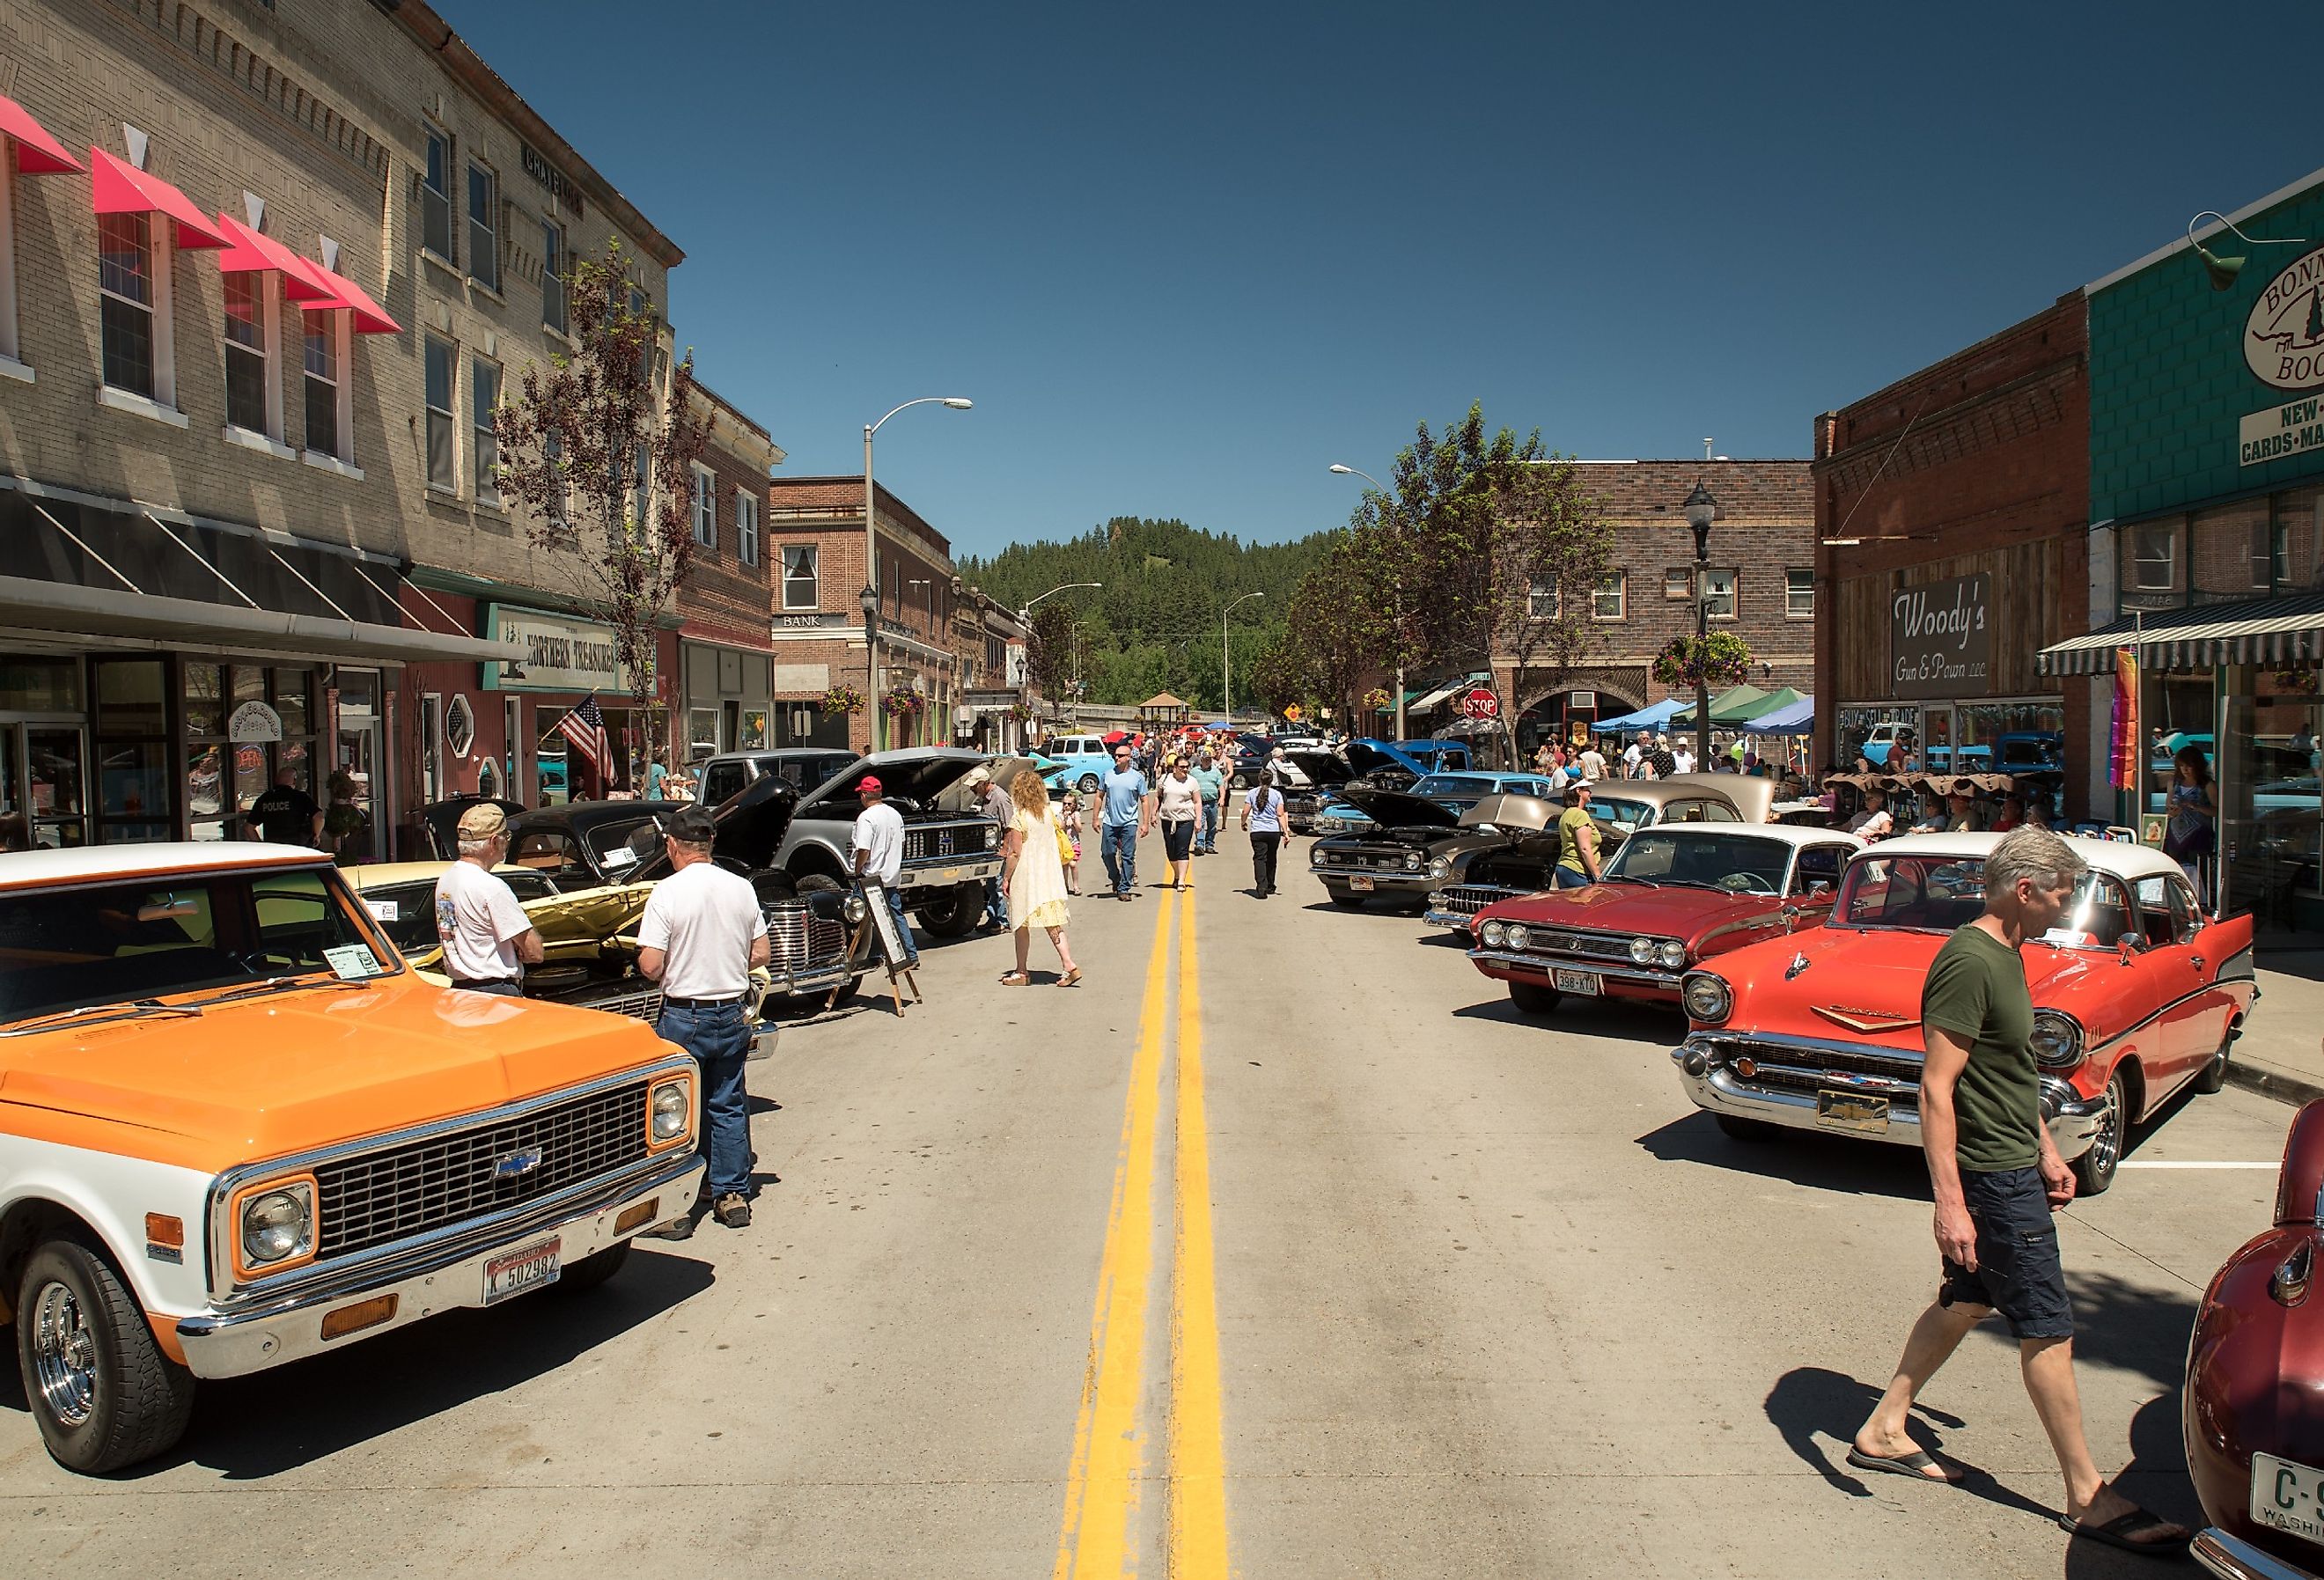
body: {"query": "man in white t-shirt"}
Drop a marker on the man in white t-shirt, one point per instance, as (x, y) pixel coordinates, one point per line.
(1593, 764)
(487, 937)
(702, 932)
(879, 846)
(1683, 758)
(1633, 754)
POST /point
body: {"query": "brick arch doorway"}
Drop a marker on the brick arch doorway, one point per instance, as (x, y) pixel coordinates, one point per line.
(1558, 715)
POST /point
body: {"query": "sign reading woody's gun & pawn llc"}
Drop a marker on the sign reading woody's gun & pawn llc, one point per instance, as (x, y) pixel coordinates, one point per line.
(1941, 638)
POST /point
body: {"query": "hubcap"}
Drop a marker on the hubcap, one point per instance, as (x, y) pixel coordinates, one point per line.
(2106, 1147)
(64, 1356)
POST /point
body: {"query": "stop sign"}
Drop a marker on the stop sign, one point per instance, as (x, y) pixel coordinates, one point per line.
(1481, 703)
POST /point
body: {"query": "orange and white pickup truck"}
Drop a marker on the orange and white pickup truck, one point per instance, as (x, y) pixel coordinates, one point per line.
(236, 1128)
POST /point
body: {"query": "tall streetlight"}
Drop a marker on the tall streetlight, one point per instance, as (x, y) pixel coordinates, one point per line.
(871, 554)
(1401, 734)
(1701, 509)
(1226, 665)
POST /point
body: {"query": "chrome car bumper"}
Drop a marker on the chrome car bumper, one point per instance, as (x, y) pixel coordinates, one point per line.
(2231, 1557)
(947, 875)
(1384, 877)
(2071, 1119)
(1542, 965)
(431, 1277)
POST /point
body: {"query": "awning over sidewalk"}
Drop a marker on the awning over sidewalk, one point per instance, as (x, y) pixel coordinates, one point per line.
(2264, 631)
(1437, 697)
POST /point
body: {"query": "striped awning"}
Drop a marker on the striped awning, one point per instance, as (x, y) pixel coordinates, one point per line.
(1437, 697)
(2266, 630)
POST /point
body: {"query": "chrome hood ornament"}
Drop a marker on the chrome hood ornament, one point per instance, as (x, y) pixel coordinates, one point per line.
(1799, 964)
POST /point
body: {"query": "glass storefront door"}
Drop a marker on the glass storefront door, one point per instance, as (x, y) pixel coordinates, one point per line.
(43, 770)
(2265, 785)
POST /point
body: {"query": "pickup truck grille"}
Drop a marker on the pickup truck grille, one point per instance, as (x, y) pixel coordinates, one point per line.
(946, 841)
(376, 1197)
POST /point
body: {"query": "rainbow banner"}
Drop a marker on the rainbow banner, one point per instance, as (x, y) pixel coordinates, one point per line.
(2122, 748)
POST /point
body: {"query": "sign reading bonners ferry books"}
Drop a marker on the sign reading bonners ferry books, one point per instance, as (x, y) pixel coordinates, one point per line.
(561, 653)
(1941, 638)
(2283, 346)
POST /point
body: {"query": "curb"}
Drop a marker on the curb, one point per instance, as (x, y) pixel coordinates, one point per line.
(2271, 1082)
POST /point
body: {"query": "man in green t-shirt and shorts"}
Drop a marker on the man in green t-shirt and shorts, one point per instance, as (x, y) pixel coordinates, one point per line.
(1997, 1177)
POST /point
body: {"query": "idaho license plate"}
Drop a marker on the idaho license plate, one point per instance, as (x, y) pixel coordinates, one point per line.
(1852, 1111)
(2284, 1496)
(1359, 884)
(533, 1268)
(1584, 983)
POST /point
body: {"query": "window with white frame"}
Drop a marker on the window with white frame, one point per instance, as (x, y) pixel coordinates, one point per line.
(130, 306)
(323, 336)
(554, 309)
(484, 226)
(485, 399)
(802, 586)
(250, 354)
(1542, 600)
(1799, 595)
(436, 197)
(1609, 599)
(2155, 559)
(746, 526)
(1719, 594)
(442, 373)
(1678, 583)
(705, 508)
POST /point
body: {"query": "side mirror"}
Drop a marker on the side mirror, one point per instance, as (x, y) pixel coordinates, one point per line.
(1819, 887)
(2128, 944)
(1791, 917)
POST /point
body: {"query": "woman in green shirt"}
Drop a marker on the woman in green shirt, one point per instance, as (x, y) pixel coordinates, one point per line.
(1577, 840)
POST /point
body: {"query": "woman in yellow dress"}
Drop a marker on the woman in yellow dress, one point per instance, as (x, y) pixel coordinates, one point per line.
(1033, 873)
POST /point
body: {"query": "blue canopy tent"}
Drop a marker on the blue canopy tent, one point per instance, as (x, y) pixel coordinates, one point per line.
(1645, 718)
(1793, 718)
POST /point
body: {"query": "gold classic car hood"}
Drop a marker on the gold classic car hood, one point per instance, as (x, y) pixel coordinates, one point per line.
(302, 1068)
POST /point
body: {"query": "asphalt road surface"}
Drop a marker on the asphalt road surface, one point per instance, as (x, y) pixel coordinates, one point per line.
(1280, 1247)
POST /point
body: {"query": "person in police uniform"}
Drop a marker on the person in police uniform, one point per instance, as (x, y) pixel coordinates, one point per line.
(702, 932)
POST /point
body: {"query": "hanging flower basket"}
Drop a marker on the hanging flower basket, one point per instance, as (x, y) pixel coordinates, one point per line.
(902, 703)
(1020, 711)
(1378, 699)
(843, 699)
(1716, 662)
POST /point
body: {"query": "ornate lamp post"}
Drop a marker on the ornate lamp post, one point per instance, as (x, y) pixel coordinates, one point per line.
(1701, 509)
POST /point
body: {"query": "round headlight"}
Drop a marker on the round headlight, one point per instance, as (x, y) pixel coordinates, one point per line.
(1439, 867)
(1642, 951)
(277, 1225)
(1672, 954)
(671, 1110)
(1412, 858)
(1708, 998)
(853, 909)
(991, 837)
(1520, 936)
(1493, 934)
(2057, 1039)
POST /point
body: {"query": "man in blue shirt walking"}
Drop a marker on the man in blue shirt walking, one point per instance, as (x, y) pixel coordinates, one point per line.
(1127, 814)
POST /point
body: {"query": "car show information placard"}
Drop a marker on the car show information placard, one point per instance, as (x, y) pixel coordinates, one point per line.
(1941, 638)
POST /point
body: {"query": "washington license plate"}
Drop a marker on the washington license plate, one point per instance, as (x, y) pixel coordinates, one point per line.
(1359, 884)
(533, 1268)
(1852, 1111)
(2284, 1496)
(1584, 983)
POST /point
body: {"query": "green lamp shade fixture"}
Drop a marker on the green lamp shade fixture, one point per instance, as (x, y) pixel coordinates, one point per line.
(2222, 271)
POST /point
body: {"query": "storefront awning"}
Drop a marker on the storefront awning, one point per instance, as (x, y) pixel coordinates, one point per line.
(37, 153)
(367, 316)
(251, 251)
(174, 622)
(117, 187)
(2265, 631)
(1445, 690)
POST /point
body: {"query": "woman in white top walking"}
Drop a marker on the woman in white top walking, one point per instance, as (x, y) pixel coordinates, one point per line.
(1034, 877)
(1179, 798)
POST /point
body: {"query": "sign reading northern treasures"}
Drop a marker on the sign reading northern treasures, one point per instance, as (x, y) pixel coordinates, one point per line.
(560, 653)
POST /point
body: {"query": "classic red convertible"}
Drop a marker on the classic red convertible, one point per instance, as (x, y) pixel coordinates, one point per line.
(2136, 995)
(2253, 1407)
(1673, 897)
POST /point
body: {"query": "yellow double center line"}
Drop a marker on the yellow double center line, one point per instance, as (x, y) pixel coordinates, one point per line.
(1101, 1536)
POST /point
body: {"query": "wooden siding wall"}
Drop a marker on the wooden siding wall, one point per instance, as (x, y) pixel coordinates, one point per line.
(2039, 597)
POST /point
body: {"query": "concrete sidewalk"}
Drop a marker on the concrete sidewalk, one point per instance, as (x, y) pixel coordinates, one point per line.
(2280, 1053)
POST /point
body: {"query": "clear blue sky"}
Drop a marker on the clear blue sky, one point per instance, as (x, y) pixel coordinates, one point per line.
(1182, 257)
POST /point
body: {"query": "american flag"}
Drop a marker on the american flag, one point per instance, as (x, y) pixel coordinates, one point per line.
(585, 726)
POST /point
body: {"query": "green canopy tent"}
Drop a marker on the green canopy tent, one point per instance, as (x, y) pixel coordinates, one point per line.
(1736, 705)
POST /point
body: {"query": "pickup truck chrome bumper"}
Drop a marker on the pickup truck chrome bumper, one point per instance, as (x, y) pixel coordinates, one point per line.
(948, 872)
(2071, 1119)
(1385, 878)
(237, 1342)
(2231, 1557)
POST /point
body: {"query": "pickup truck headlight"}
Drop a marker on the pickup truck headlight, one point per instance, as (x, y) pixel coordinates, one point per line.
(1492, 934)
(1412, 859)
(672, 1109)
(277, 1224)
(2057, 1039)
(1672, 954)
(1706, 998)
(991, 837)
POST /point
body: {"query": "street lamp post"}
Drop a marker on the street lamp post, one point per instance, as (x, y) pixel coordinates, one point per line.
(1401, 734)
(1701, 509)
(871, 555)
(1226, 665)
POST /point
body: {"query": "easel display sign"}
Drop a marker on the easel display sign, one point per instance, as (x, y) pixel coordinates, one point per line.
(895, 953)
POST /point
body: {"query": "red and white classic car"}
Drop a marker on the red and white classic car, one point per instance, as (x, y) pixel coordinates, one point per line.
(2136, 993)
(1671, 897)
(2253, 1407)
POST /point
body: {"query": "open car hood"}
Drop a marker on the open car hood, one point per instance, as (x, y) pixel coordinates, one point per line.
(917, 775)
(1322, 769)
(1395, 810)
(1370, 756)
(1511, 814)
(751, 825)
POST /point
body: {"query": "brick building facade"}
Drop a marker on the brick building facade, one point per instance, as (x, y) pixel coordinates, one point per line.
(727, 651)
(1968, 483)
(1762, 557)
(262, 472)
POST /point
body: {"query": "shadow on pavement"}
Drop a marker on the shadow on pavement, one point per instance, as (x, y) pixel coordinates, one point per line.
(1803, 1157)
(2155, 1478)
(1818, 1412)
(249, 1427)
(2129, 1326)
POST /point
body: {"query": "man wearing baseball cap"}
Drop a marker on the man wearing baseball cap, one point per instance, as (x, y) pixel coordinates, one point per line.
(997, 805)
(879, 846)
(487, 937)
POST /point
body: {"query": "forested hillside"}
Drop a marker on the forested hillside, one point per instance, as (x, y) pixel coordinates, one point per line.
(1153, 626)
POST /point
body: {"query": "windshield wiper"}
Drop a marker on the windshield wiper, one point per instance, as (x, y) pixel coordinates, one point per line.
(98, 1014)
(273, 984)
(1691, 884)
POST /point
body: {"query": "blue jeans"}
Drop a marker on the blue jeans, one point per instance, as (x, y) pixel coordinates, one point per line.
(1567, 878)
(719, 1038)
(996, 903)
(1121, 855)
(904, 926)
(1208, 840)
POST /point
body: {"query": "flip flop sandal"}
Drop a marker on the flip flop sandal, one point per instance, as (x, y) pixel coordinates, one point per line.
(2115, 1533)
(1914, 1466)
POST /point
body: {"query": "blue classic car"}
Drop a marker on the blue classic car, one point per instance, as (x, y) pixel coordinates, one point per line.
(1319, 774)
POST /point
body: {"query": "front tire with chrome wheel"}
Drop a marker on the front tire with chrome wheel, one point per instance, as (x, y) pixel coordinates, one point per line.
(2094, 1169)
(101, 1390)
